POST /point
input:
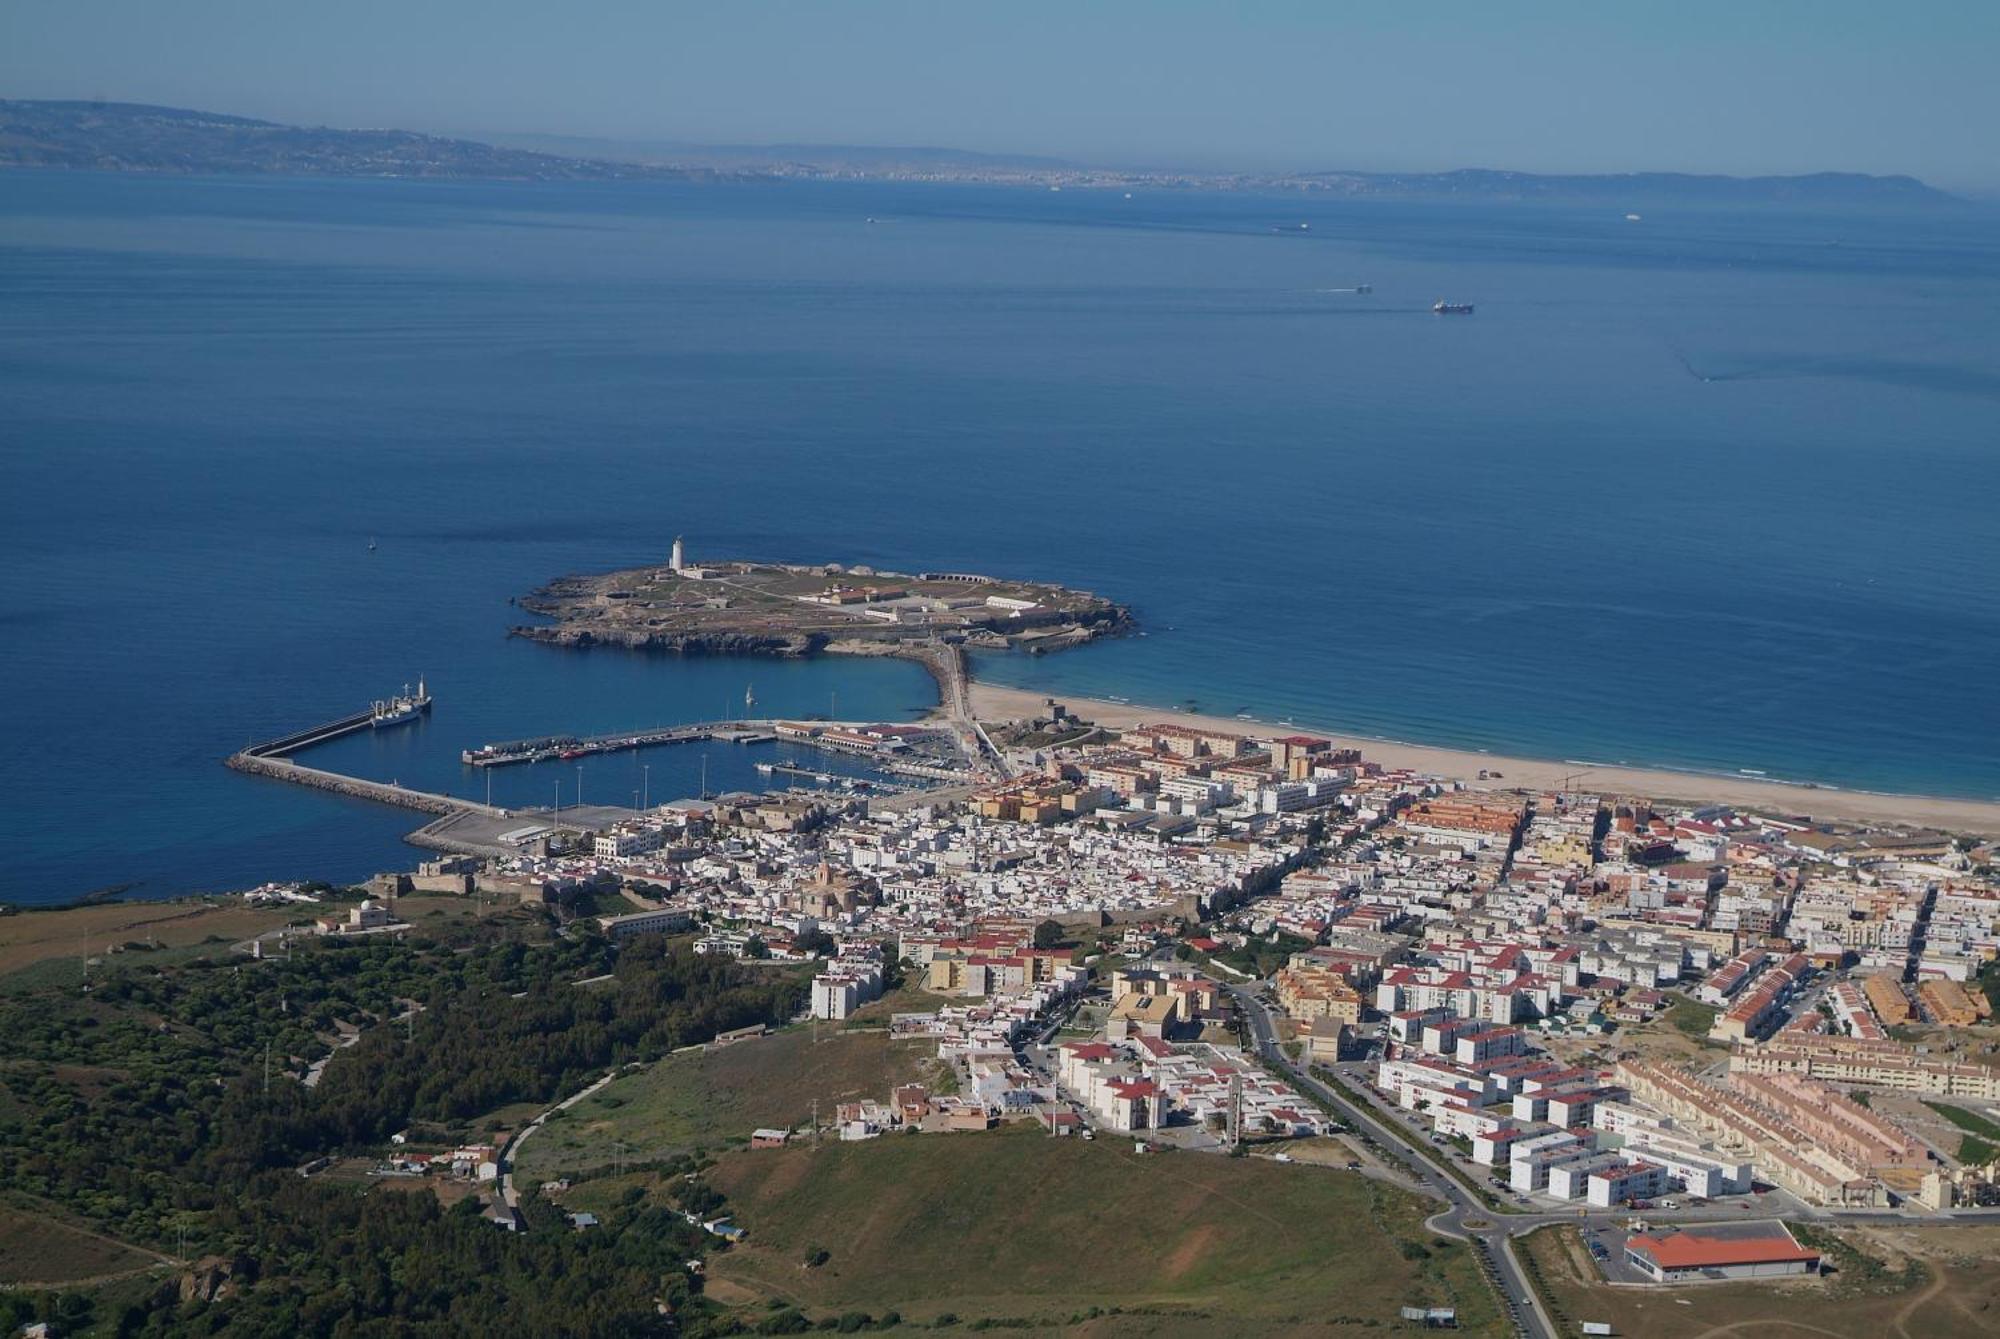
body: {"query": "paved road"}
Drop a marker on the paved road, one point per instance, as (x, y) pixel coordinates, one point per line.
(508, 1195)
(1375, 1117)
(1491, 1239)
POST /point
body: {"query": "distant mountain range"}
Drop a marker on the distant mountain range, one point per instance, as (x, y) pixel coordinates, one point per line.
(1633, 187)
(856, 158)
(119, 136)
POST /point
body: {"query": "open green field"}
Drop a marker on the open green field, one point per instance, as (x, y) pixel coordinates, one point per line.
(1969, 1121)
(1014, 1226)
(1691, 1017)
(1910, 1283)
(36, 1248)
(1980, 1143)
(709, 1098)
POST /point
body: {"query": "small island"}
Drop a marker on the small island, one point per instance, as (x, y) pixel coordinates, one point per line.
(789, 609)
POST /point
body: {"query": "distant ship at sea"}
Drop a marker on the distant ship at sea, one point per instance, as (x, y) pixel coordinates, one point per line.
(1443, 308)
(403, 708)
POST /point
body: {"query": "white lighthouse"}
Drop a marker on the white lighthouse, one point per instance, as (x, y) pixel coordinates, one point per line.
(679, 560)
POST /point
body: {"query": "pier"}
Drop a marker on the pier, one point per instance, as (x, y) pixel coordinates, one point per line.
(271, 758)
(382, 713)
(305, 739)
(582, 746)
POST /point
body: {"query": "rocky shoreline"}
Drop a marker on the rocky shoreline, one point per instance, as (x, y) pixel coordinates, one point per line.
(675, 643)
(792, 612)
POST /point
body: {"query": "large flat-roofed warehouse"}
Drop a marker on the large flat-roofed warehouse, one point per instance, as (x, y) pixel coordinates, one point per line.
(1681, 1257)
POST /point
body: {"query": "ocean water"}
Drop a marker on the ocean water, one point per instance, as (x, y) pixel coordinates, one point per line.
(1713, 491)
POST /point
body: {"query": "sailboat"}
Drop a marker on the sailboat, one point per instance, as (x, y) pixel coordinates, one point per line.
(371, 543)
(749, 699)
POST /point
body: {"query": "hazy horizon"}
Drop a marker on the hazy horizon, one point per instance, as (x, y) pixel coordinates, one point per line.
(1781, 89)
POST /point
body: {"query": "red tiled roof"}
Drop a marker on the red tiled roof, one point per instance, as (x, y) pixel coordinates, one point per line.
(1685, 1250)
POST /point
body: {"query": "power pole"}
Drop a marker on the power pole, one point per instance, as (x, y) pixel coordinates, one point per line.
(267, 1069)
(815, 1122)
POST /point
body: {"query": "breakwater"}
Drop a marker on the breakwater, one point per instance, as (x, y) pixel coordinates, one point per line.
(269, 759)
(383, 792)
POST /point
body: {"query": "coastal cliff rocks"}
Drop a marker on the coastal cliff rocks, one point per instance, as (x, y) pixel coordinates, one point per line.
(680, 643)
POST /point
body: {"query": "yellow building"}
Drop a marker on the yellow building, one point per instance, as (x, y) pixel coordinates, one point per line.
(1886, 998)
(1142, 1015)
(1308, 993)
(1952, 1004)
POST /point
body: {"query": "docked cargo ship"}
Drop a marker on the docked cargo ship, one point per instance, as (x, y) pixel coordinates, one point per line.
(401, 709)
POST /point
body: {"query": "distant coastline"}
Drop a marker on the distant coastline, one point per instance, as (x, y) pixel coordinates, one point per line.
(135, 137)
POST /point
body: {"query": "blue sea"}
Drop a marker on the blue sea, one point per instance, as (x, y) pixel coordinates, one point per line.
(1703, 490)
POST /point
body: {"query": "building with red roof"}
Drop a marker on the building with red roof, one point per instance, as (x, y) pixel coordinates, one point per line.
(1678, 1257)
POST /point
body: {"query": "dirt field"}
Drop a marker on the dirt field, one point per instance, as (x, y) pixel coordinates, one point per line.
(28, 937)
(1911, 1283)
(36, 1249)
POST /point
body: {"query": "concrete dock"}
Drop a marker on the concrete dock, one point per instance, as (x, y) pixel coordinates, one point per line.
(284, 769)
(462, 825)
(550, 747)
(270, 758)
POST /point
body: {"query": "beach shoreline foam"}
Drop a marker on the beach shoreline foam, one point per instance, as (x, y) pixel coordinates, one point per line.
(992, 702)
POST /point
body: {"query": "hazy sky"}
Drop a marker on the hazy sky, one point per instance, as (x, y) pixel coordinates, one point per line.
(1743, 86)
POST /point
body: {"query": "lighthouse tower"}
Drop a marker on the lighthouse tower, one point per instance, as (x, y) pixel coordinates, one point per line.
(680, 555)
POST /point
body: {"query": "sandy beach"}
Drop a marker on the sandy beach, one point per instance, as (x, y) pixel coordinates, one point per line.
(993, 703)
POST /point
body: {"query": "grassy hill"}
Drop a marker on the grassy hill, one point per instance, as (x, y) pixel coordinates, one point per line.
(1015, 1227)
(711, 1098)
